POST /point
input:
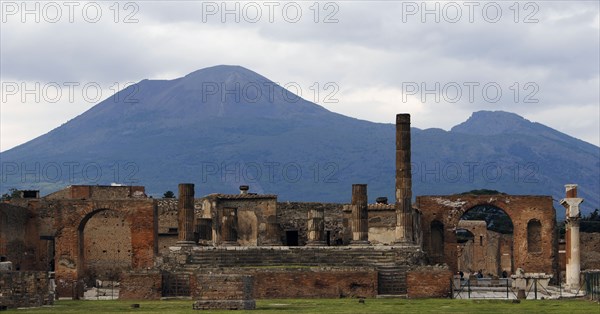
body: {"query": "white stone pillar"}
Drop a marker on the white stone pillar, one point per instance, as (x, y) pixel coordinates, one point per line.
(573, 268)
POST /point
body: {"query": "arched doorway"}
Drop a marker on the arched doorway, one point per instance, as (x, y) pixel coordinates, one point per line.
(437, 242)
(105, 248)
(484, 240)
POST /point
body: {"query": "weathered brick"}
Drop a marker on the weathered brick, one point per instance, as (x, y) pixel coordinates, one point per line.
(429, 282)
(141, 285)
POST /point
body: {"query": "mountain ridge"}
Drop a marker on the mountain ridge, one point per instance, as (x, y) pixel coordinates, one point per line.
(181, 130)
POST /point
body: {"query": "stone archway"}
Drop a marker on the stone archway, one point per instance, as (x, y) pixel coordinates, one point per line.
(139, 215)
(448, 209)
(489, 245)
(105, 247)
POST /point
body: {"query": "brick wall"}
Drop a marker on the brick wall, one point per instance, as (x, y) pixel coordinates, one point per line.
(98, 192)
(429, 282)
(307, 282)
(448, 209)
(221, 287)
(314, 283)
(222, 291)
(13, 220)
(141, 286)
(24, 289)
(107, 244)
(590, 250)
(382, 221)
(294, 215)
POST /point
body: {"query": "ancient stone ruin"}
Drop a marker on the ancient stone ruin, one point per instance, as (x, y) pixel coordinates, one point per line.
(225, 250)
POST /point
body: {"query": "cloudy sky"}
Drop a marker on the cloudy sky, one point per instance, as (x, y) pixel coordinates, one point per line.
(438, 60)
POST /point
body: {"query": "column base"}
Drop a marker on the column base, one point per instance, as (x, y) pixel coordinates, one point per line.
(186, 243)
(316, 243)
(360, 243)
(403, 242)
(270, 244)
(229, 243)
(571, 287)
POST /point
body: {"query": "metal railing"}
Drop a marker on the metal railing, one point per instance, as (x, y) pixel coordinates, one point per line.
(498, 289)
(592, 285)
(471, 289)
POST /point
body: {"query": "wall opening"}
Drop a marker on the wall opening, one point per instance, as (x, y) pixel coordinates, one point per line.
(104, 246)
(50, 248)
(534, 236)
(204, 229)
(175, 285)
(485, 241)
(229, 225)
(291, 238)
(437, 241)
(30, 194)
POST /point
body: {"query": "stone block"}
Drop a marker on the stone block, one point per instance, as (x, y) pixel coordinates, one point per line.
(224, 305)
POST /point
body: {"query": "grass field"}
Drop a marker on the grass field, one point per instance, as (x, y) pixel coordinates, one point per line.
(298, 306)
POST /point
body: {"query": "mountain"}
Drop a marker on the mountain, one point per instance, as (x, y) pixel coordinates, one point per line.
(226, 126)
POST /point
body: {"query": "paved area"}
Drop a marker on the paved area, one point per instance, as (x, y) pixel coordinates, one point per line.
(101, 294)
(552, 292)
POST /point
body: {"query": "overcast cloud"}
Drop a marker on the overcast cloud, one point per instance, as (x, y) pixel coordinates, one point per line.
(374, 52)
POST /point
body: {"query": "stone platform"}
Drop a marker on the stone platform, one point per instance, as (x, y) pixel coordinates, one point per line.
(391, 263)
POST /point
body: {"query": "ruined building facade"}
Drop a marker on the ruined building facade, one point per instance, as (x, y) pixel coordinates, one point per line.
(84, 233)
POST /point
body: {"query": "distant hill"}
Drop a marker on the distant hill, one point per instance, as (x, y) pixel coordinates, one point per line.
(159, 133)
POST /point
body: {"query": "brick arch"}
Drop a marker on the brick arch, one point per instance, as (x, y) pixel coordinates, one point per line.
(520, 209)
(73, 217)
(490, 203)
(83, 261)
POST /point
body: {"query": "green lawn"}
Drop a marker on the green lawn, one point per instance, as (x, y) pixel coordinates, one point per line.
(298, 306)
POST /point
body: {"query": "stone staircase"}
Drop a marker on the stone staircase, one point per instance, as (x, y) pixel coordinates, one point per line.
(388, 262)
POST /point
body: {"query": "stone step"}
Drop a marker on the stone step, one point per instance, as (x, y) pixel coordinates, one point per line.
(257, 257)
(392, 296)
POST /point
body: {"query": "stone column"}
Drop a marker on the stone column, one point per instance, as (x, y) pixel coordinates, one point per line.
(272, 236)
(316, 227)
(360, 215)
(404, 220)
(573, 267)
(185, 214)
(229, 226)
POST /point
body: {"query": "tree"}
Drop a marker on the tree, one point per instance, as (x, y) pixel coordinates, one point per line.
(12, 193)
(594, 216)
(591, 222)
(169, 194)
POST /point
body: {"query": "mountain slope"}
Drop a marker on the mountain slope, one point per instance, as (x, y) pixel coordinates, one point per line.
(225, 126)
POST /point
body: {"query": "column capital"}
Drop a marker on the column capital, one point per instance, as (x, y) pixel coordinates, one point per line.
(572, 206)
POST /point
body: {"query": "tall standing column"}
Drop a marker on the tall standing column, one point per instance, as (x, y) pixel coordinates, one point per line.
(360, 215)
(573, 267)
(185, 214)
(404, 220)
(316, 227)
